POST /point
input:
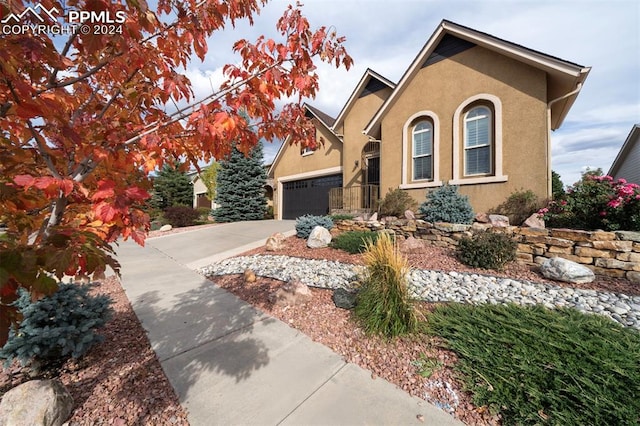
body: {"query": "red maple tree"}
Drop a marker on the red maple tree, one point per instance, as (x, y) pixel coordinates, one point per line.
(85, 119)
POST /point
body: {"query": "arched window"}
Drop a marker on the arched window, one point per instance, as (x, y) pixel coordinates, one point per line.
(422, 141)
(478, 141)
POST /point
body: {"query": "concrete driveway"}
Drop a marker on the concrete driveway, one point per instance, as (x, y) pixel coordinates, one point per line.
(200, 247)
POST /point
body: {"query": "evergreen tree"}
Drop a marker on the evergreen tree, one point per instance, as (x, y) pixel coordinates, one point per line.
(171, 188)
(557, 187)
(240, 187)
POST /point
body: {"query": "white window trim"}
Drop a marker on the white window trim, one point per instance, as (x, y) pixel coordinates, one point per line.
(407, 157)
(305, 175)
(458, 178)
(465, 148)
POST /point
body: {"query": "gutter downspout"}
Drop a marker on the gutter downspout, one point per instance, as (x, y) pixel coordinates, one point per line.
(549, 104)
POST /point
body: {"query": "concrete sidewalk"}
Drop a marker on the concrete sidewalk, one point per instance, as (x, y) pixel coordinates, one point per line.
(232, 364)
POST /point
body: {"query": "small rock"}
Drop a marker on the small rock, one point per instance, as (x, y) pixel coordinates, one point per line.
(249, 276)
(409, 215)
(275, 242)
(373, 217)
(38, 403)
(320, 237)
(344, 299)
(165, 228)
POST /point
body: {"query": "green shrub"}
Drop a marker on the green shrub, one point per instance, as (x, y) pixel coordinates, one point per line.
(337, 217)
(306, 223)
(383, 305)
(518, 206)
(354, 241)
(487, 250)
(57, 327)
(596, 202)
(446, 205)
(396, 202)
(180, 216)
(536, 366)
(269, 213)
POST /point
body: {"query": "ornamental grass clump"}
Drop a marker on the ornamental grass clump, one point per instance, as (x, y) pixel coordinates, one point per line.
(383, 305)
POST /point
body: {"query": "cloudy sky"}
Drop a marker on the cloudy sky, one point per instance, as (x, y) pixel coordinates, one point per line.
(386, 35)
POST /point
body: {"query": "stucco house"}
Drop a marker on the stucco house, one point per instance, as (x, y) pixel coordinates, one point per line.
(627, 162)
(471, 110)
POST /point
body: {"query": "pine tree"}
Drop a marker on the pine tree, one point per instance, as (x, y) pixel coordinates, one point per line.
(171, 188)
(240, 187)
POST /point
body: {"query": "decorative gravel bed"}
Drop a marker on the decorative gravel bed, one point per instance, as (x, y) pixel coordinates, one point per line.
(438, 286)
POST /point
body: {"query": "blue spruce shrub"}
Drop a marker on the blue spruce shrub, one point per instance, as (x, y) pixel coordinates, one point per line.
(56, 327)
(306, 223)
(446, 205)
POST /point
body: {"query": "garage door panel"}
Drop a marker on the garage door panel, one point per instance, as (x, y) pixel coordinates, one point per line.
(308, 196)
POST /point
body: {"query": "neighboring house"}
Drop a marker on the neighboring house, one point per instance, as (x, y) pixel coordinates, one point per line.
(199, 191)
(627, 163)
(471, 110)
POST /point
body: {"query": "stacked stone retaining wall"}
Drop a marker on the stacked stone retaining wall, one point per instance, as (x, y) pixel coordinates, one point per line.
(614, 254)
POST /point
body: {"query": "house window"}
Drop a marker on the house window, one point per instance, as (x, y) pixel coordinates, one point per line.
(306, 151)
(422, 140)
(478, 140)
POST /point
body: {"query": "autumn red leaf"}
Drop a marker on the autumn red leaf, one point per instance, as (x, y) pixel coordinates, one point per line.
(87, 117)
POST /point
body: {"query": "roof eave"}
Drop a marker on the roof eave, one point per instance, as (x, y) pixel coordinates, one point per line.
(626, 146)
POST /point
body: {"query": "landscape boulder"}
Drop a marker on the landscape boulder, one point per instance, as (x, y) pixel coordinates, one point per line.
(373, 217)
(561, 269)
(411, 245)
(275, 242)
(498, 220)
(165, 228)
(534, 221)
(320, 237)
(292, 293)
(408, 214)
(36, 403)
(344, 299)
(482, 218)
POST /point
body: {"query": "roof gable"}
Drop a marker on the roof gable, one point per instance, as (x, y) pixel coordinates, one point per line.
(564, 78)
(370, 82)
(310, 112)
(627, 146)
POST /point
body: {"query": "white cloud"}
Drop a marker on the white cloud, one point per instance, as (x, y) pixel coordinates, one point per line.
(386, 36)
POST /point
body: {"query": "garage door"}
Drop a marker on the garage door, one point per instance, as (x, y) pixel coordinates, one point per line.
(308, 196)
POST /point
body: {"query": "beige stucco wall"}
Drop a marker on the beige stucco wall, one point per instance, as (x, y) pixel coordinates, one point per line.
(292, 163)
(441, 88)
(357, 119)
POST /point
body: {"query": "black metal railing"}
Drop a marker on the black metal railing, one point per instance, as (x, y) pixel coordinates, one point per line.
(354, 198)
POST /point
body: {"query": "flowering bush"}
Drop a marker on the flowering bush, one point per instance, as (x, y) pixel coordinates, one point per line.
(596, 202)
